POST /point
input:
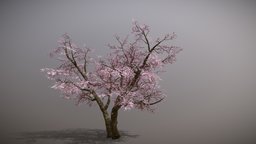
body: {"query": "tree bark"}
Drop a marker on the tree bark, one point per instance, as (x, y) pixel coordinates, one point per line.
(107, 124)
(110, 122)
(114, 115)
(105, 114)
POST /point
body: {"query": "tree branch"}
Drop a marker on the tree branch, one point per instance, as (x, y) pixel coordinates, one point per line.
(85, 65)
(145, 36)
(157, 44)
(107, 104)
(73, 61)
(99, 101)
(150, 51)
(82, 89)
(156, 101)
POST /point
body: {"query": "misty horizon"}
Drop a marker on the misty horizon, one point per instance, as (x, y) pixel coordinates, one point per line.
(210, 88)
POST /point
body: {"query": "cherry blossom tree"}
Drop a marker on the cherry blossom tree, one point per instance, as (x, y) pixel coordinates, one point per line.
(125, 79)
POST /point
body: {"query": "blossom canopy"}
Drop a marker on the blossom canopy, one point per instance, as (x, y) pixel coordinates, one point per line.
(127, 76)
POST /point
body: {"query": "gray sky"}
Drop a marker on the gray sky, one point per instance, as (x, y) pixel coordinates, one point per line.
(211, 88)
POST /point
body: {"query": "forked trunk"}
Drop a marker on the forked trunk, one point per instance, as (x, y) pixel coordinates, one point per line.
(105, 114)
(111, 124)
(110, 121)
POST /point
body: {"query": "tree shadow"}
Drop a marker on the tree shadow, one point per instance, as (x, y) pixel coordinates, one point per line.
(72, 136)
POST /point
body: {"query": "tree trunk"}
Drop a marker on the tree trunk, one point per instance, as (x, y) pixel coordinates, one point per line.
(105, 114)
(110, 122)
(114, 115)
(108, 125)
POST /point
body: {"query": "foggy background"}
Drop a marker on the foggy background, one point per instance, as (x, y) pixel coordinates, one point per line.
(211, 88)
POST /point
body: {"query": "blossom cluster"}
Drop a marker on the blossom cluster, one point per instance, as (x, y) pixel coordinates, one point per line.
(128, 75)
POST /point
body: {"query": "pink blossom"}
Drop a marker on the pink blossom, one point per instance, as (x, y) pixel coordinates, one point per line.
(128, 75)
